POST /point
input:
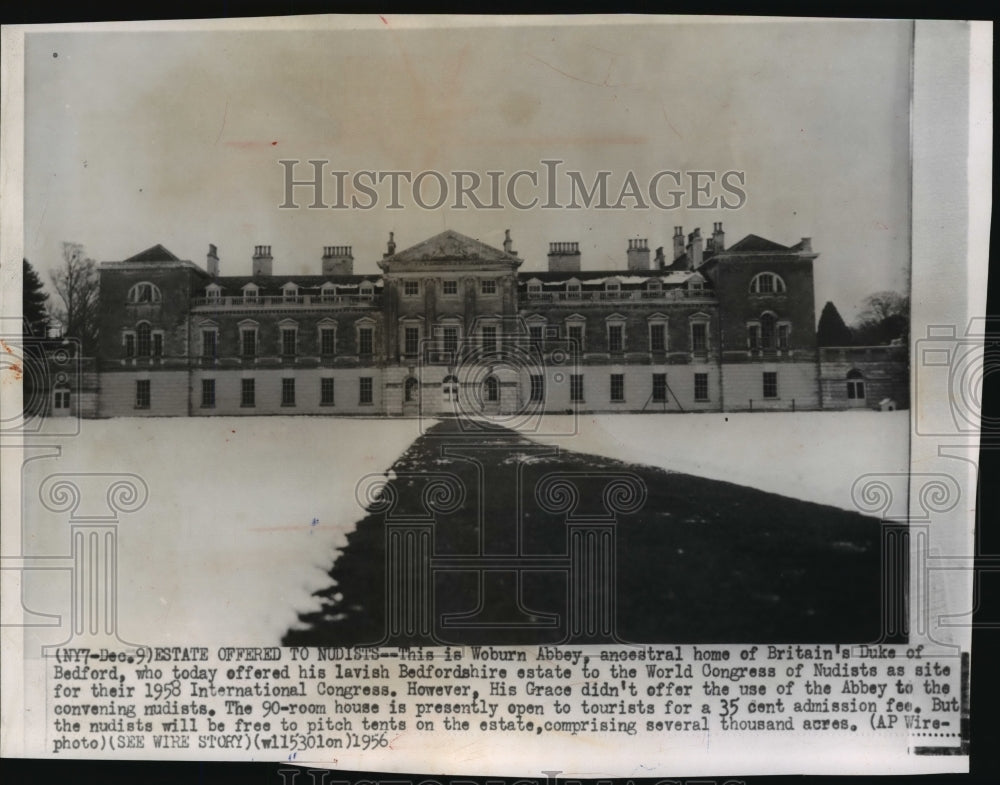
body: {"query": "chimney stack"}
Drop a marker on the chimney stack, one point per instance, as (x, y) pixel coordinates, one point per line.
(660, 261)
(564, 257)
(390, 246)
(694, 249)
(718, 237)
(678, 242)
(338, 260)
(508, 244)
(262, 260)
(638, 255)
(806, 245)
(212, 261)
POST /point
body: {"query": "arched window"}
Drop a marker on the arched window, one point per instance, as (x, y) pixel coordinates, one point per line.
(491, 389)
(410, 387)
(144, 292)
(449, 389)
(767, 283)
(855, 385)
(143, 339)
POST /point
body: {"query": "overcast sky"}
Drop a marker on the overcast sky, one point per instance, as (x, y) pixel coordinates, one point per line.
(137, 138)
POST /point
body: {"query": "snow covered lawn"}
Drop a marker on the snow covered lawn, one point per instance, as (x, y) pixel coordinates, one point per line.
(243, 520)
(245, 515)
(813, 456)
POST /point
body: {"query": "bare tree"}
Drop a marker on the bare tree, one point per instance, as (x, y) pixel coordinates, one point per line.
(884, 318)
(77, 284)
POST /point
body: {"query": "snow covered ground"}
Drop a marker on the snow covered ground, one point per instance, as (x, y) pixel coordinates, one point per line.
(814, 456)
(243, 520)
(245, 514)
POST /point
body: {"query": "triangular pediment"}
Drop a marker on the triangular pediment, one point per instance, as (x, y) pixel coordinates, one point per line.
(155, 254)
(450, 246)
(753, 243)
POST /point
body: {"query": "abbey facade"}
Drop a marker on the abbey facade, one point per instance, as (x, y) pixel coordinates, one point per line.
(452, 325)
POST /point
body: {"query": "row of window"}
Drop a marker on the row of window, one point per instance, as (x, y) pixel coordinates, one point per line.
(248, 392)
(491, 390)
(574, 287)
(288, 341)
(290, 291)
(411, 287)
(489, 339)
(767, 334)
(660, 390)
(146, 292)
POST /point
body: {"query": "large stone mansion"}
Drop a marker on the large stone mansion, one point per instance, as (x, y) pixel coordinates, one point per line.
(451, 325)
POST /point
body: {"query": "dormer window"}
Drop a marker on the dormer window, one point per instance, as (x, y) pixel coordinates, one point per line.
(612, 286)
(213, 291)
(767, 283)
(367, 290)
(289, 292)
(573, 289)
(144, 292)
(327, 292)
(251, 293)
(534, 287)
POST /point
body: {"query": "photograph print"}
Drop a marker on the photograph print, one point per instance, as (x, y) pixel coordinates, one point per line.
(465, 332)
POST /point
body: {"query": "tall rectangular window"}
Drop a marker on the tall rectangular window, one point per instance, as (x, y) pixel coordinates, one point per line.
(365, 390)
(144, 342)
(489, 339)
(365, 340)
(130, 345)
(657, 337)
(326, 392)
(288, 392)
(288, 341)
(208, 393)
(248, 339)
(248, 392)
(576, 337)
(328, 341)
(617, 387)
(615, 341)
(209, 343)
(659, 388)
(536, 332)
(576, 387)
(537, 387)
(753, 337)
(411, 340)
(157, 344)
(451, 339)
(701, 386)
(770, 384)
(142, 394)
(783, 337)
(699, 337)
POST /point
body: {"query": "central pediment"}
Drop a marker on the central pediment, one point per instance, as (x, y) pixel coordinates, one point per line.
(450, 247)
